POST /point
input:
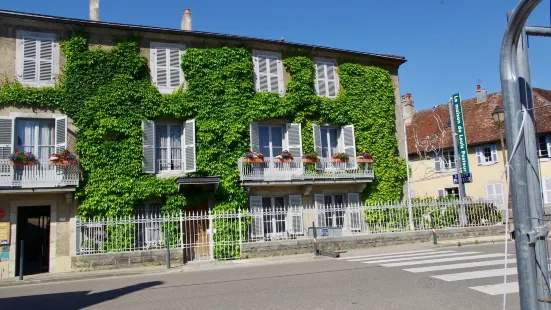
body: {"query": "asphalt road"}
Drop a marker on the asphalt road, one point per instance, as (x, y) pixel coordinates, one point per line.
(324, 283)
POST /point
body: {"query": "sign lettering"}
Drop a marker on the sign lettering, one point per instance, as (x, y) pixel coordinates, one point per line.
(461, 137)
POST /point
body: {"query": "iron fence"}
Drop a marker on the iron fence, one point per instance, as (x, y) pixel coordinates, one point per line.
(209, 235)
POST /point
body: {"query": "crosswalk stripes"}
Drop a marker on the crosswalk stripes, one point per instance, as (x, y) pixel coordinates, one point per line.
(451, 266)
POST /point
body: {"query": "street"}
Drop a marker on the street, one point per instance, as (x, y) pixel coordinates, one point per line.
(467, 277)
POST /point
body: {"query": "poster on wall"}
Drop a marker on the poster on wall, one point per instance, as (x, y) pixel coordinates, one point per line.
(4, 233)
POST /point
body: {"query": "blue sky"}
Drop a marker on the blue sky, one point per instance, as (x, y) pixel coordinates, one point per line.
(450, 45)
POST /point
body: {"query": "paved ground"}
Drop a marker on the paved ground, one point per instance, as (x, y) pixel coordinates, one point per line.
(383, 278)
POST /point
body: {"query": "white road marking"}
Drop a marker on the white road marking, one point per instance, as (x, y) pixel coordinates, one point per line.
(442, 260)
(497, 289)
(476, 274)
(419, 257)
(396, 256)
(462, 265)
(385, 254)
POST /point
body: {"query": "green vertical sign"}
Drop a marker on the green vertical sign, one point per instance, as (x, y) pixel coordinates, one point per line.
(460, 130)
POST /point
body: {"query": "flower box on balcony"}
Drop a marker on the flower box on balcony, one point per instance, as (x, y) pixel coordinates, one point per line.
(364, 160)
(62, 162)
(339, 160)
(21, 163)
(253, 160)
(310, 160)
(282, 160)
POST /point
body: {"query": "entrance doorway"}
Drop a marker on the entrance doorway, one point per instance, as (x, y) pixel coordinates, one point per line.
(33, 227)
(196, 238)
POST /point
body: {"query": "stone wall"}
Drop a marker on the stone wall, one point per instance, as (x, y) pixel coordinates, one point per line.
(302, 246)
(125, 260)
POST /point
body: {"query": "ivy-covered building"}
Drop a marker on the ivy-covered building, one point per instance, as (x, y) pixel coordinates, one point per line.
(107, 119)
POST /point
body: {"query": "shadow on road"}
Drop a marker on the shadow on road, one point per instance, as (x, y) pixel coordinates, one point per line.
(71, 300)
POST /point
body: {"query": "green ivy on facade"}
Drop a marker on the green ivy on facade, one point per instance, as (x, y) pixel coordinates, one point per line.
(107, 93)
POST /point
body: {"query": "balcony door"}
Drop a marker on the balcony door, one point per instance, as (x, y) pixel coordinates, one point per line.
(270, 140)
(169, 147)
(274, 216)
(35, 136)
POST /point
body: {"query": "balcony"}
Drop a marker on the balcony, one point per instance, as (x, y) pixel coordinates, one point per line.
(39, 175)
(270, 171)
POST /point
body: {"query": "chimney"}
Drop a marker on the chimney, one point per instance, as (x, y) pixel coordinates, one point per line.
(408, 107)
(186, 20)
(481, 94)
(94, 10)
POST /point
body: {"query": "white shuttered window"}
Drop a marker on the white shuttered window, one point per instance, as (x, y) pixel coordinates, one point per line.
(165, 65)
(37, 62)
(547, 190)
(327, 83)
(494, 193)
(268, 71)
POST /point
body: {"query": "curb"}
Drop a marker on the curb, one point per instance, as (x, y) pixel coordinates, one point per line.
(457, 243)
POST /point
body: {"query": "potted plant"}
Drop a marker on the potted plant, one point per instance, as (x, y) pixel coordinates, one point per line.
(340, 158)
(310, 158)
(65, 158)
(365, 157)
(284, 157)
(253, 157)
(22, 159)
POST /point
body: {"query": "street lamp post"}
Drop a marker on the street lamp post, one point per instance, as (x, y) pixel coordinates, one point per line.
(499, 118)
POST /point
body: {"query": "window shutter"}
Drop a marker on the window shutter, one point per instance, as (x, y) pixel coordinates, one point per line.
(148, 146)
(317, 139)
(257, 227)
(175, 68)
(294, 140)
(548, 140)
(276, 74)
(349, 144)
(441, 193)
(479, 156)
(490, 193)
(331, 80)
(189, 146)
(498, 190)
(30, 59)
(321, 78)
(494, 153)
(60, 134)
(354, 210)
(294, 218)
(161, 70)
(547, 190)
(319, 201)
(6, 136)
(46, 61)
(253, 128)
(261, 72)
(437, 162)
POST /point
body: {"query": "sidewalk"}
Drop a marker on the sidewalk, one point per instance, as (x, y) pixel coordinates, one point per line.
(203, 266)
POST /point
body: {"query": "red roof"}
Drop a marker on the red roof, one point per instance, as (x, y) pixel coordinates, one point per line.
(429, 129)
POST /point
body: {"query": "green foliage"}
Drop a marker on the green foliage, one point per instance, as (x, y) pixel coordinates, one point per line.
(107, 93)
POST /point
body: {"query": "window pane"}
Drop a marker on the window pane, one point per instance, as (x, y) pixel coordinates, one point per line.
(542, 147)
(339, 200)
(264, 140)
(324, 143)
(333, 140)
(46, 138)
(278, 202)
(488, 154)
(162, 146)
(277, 137)
(25, 136)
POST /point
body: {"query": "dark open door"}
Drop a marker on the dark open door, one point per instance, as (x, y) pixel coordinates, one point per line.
(33, 226)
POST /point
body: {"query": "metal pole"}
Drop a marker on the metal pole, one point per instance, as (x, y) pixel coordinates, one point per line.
(535, 201)
(511, 79)
(500, 127)
(460, 185)
(316, 251)
(410, 208)
(167, 240)
(21, 260)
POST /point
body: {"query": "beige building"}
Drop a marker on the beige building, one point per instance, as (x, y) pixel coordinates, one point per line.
(37, 204)
(432, 159)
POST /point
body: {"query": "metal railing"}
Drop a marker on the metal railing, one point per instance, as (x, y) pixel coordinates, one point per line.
(40, 174)
(165, 165)
(210, 235)
(274, 170)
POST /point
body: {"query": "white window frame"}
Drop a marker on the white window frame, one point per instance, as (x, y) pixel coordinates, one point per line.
(36, 128)
(336, 212)
(480, 155)
(270, 55)
(281, 127)
(275, 214)
(332, 62)
(153, 65)
(20, 36)
(442, 160)
(169, 146)
(340, 146)
(443, 192)
(548, 145)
